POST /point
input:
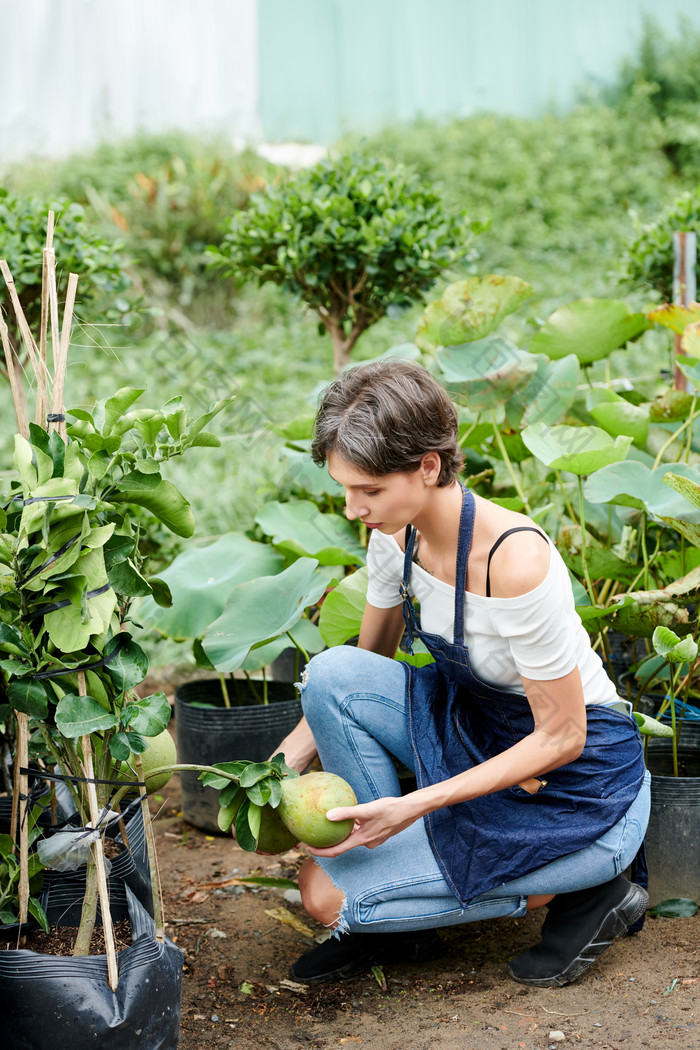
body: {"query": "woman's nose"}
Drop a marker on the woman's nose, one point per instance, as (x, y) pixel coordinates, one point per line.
(353, 510)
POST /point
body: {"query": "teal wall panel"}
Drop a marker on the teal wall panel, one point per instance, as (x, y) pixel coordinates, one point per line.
(330, 66)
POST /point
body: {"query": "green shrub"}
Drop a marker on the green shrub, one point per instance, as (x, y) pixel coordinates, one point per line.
(556, 190)
(166, 196)
(352, 237)
(84, 250)
(648, 261)
(667, 68)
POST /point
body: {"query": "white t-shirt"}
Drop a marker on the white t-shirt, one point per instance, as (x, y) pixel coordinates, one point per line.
(538, 635)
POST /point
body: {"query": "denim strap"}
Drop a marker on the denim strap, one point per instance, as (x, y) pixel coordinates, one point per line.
(466, 529)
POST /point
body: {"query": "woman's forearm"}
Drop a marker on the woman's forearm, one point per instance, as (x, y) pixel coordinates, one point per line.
(298, 747)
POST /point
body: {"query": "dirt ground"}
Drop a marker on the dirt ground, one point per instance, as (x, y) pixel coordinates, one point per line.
(643, 992)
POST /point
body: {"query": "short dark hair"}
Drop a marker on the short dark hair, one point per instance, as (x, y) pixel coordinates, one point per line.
(384, 416)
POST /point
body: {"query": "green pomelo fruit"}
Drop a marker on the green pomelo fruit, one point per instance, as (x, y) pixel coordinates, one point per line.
(161, 751)
(305, 802)
(274, 836)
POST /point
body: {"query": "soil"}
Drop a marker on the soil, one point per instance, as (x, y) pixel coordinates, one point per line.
(60, 939)
(643, 992)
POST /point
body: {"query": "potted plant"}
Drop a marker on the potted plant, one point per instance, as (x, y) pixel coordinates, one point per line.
(71, 566)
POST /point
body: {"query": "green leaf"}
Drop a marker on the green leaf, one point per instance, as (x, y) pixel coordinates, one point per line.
(298, 527)
(487, 372)
(229, 793)
(164, 501)
(227, 812)
(78, 715)
(202, 578)
(343, 608)
(633, 484)
(254, 820)
(674, 908)
(261, 792)
(617, 416)
(130, 665)
(269, 880)
(649, 726)
(108, 413)
(119, 747)
(162, 594)
(589, 328)
(305, 633)
(148, 716)
(253, 772)
(547, 394)
(24, 464)
(639, 613)
(602, 562)
(201, 421)
(260, 610)
(11, 640)
(580, 450)
(301, 473)
(470, 309)
(37, 912)
(244, 836)
(676, 650)
(28, 695)
(127, 580)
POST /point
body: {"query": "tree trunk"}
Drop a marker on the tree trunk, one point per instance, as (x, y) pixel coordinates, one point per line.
(341, 350)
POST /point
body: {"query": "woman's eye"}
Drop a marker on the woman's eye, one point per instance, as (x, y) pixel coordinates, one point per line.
(371, 492)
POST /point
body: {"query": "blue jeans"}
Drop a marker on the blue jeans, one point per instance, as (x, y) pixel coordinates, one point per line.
(354, 702)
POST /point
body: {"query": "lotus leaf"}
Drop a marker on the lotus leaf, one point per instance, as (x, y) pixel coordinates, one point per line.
(589, 328)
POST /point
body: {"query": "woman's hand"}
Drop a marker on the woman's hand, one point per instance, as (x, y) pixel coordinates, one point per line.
(375, 822)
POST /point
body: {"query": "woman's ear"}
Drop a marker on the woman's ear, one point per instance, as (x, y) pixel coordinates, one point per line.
(431, 466)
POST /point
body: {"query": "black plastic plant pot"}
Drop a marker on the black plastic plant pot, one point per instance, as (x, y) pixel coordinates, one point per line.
(215, 733)
(49, 1001)
(130, 865)
(672, 840)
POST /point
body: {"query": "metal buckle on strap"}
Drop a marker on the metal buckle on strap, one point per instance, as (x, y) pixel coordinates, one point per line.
(403, 591)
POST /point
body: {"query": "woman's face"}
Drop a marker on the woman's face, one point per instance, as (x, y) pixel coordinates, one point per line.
(388, 502)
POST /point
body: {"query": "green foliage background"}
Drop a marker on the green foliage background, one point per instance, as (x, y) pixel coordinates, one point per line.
(565, 196)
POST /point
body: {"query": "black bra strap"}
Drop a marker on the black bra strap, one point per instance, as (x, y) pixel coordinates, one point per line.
(497, 544)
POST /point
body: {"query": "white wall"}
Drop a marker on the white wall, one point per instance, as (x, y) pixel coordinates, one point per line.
(75, 71)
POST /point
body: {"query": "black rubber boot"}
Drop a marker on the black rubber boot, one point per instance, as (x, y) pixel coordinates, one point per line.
(355, 953)
(579, 926)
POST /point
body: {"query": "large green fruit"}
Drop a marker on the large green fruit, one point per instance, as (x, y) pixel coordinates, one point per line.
(161, 751)
(305, 802)
(274, 836)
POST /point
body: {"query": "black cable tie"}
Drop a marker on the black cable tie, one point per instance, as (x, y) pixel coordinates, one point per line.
(54, 557)
(63, 777)
(121, 642)
(55, 417)
(46, 609)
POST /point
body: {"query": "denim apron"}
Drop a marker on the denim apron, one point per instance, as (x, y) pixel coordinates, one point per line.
(456, 721)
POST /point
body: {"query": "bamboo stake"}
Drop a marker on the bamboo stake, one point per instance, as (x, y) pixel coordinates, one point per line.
(22, 790)
(98, 853)
(60, 374)
(42, 407)
(156, 888)
(15, 385)
(53, 306)
(27, 337)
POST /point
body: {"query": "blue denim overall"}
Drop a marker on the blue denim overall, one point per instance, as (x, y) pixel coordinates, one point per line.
(456, 721)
